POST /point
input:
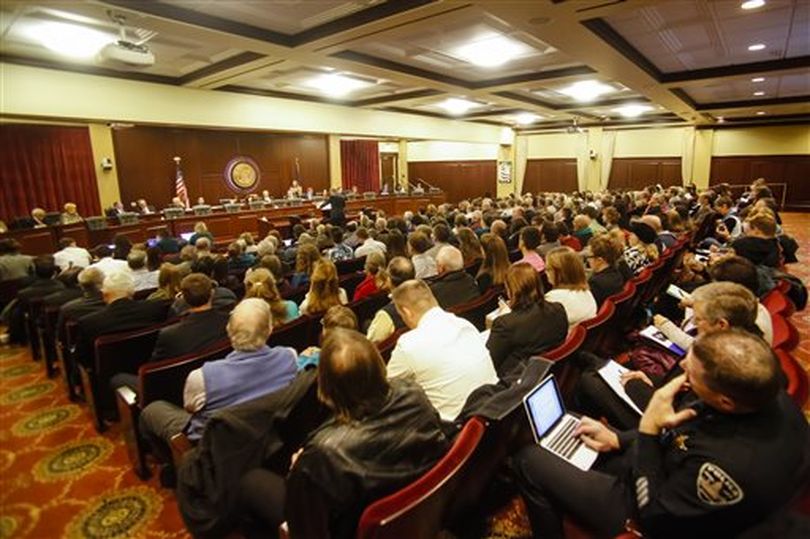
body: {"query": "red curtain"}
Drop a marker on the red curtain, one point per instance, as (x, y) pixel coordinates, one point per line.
(360, 164)
(46, 166)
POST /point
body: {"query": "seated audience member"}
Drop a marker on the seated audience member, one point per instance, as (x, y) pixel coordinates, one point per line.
(169, 277)
(532, 326)
(441, 236)
(582, 229)
(566, 273)
(70, 215)
(495, 263)
(122, 245)
(612, 218)
(70, 255)
(202, 248)
(387, 320)
(641, 250)
(144, 279)
(238, 259)
(606, 279)
(143, 208)
(199, 328)
(43, 283)
(335, 317)
(690, 469)
(259, 283)
(115, 210)
(736, 269)
(758, 242)
(528, 243)
(305, 259)
(453, 286)
(550, 238)
(105, 261)
(396, 244)
(252, 370)
(367, 244)
(274, 265)
(469, 245)
(337, 475)
(665, 239)
(324, 289)
(38, 218)
(121, 313)
(185, 259)
(90, 281)
(13, 265)
(200, 231)
(423, 263)
(376, 280)
(443, 352)
(566, 239)
(70, 279)
(249, 244)
(167, 243)
(224, 298)
(340, 250)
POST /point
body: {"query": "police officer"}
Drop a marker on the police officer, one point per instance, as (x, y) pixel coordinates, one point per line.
(712, 468)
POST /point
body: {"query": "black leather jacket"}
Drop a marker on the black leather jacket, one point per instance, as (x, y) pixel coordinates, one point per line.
(346, 466)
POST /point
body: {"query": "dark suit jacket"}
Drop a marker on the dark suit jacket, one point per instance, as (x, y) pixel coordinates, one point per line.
(121, 315)
(38, 289)
(194, 332)
(337, 213)
(62, 296)
(454, 288)
(519, 335)
(73, 310)
(604, 284)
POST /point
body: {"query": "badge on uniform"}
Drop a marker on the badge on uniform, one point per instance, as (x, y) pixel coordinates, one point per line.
(716, 487)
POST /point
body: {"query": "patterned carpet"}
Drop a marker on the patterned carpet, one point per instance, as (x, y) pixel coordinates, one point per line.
(59, 478)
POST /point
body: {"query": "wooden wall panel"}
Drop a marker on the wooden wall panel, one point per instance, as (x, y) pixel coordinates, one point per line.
(459, 179)
(636, 173)
(794, 170)
(550, 175)
(145, 167)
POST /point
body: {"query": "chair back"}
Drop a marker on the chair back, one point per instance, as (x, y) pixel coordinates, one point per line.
(350, 281)
(797, 384)
(476, 311)
(298, 333)
(421, 508)
(571, 344)
(143, 294)
(785, 334)
(352, 265)
(598, 326)
(778, 303)
(165, 379)
(9, 289)
(366, 308)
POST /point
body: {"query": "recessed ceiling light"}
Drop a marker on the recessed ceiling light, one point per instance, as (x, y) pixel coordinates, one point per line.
(526, 118)
(760, 113)
(457, 105)
(759, 93)
(752, 4)
(756, 47)
(758, 79)
(633, 110)
(492, 51)
(336, 85)
(721, 120)
(70, 40)
(587, 90)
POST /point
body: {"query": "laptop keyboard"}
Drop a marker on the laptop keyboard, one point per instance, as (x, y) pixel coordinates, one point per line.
(564, 442)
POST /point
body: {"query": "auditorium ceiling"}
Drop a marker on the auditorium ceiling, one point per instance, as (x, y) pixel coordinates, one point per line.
(528, 64)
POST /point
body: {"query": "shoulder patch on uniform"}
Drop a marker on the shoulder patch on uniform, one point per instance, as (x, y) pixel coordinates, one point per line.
(716, 487)
(642, 492)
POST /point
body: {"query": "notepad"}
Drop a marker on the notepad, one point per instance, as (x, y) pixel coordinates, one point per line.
(611, 373)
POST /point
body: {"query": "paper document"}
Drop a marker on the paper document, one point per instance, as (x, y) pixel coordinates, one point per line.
(611, 373)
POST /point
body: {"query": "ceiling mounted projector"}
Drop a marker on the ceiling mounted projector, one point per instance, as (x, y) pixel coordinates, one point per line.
(574, 128)
(126, 53)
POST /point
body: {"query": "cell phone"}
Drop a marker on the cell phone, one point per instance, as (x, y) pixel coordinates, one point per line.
(701, 258)
(677, 292)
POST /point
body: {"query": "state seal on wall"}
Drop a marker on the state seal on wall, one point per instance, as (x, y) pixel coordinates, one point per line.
(242, 174)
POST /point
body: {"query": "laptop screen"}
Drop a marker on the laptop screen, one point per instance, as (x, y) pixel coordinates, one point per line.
(186, 235)
(544, 407)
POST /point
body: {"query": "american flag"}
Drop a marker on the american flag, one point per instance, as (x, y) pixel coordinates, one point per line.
(180, 185)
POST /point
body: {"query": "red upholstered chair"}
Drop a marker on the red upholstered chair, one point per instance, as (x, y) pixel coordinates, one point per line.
(785, 334)
(598, 326)
(572, 343)
(623, 302)
(642, 281)
(797, 384)
(778, 303)
(387, 346)
(420, 509)
(477, 310)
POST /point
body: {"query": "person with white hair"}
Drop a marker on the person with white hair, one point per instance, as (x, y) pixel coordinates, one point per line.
(453, 285)
(251, 371)
(120, 313)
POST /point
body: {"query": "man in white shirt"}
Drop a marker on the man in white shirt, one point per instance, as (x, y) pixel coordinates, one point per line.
(367, 244)
(71, 256)
(444, 353)
(106, 263)
(144, 279)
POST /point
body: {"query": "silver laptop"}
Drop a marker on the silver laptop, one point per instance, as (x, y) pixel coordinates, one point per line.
(553, 428)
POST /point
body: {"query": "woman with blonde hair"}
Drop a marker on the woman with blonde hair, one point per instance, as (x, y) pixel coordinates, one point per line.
(259, 283)
(169, 278)
(305, 258)
(200, 231)
(469, 245)
(324, 289)
(376, 276)
(566, 273)
(495, 264)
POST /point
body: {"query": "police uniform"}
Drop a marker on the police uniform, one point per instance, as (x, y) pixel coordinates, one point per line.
(713, 476)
